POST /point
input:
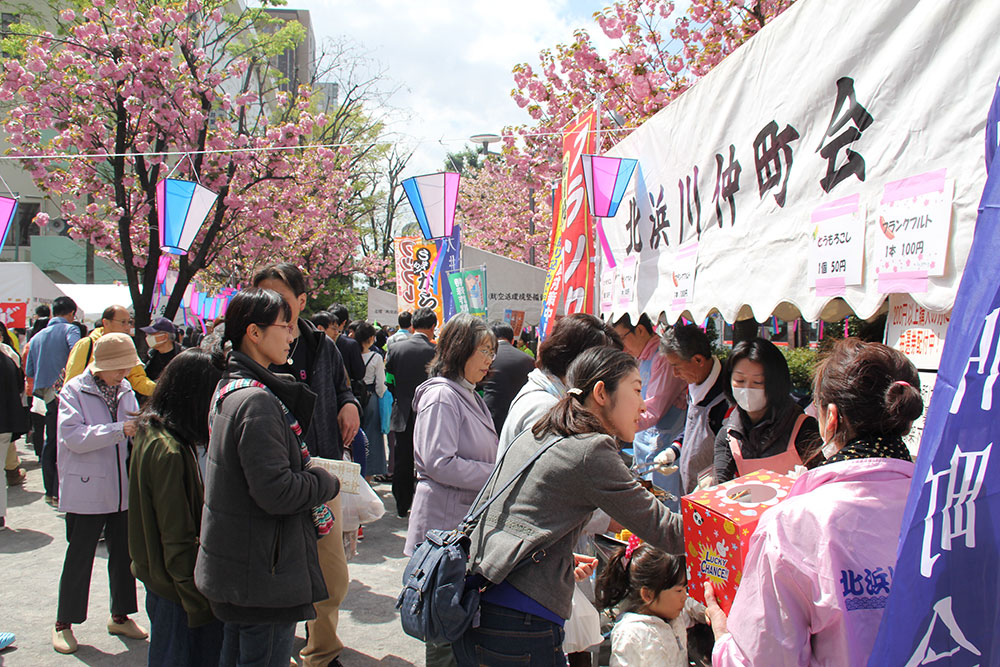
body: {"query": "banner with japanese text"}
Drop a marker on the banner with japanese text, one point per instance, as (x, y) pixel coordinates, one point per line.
(832, 159)
(468, 291)
(569, 284)
(944, 603)
(422, 268)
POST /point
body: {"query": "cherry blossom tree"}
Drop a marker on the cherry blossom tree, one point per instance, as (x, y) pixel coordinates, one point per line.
(658, 54)
(503, 213)
(123, 94)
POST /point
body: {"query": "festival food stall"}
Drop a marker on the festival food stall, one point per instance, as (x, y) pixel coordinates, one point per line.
(834, 159)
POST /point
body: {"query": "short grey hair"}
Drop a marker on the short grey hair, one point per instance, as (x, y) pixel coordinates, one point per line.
(686, 340)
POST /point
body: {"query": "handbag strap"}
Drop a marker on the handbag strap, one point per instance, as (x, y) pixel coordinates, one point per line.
(470, 519)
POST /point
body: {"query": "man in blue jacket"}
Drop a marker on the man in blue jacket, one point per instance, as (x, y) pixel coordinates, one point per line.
(47, 357)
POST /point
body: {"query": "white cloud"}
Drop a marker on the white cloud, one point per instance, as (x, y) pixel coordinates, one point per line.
(452, 58)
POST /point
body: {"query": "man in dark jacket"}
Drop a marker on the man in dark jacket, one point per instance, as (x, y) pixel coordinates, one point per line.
(161, 336)
(315, 360)
(407, 361)
(507, 375)
(349, 348)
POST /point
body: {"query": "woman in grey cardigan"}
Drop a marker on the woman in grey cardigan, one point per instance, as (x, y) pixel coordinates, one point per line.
(454, 440)
(522, 548)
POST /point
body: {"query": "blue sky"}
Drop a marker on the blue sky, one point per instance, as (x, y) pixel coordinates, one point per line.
(451, 59)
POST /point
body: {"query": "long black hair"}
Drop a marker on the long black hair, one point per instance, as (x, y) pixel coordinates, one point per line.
(181, 401)
(569, 416)
(647, 567)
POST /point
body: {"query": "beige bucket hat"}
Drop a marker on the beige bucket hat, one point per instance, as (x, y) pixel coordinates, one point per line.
(114, 352)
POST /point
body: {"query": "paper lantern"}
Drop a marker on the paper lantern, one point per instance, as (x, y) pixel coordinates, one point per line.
(8, 207)
(182, 207)
(606, 179)
(433, 198)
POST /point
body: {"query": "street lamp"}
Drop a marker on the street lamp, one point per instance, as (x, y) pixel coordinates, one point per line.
(485, 139)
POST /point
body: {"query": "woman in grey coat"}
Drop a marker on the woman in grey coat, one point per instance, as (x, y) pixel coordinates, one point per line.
(257, 562)
(522, 547)
(454, 440)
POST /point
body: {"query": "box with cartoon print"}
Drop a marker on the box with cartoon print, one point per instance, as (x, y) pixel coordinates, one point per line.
(718, 523)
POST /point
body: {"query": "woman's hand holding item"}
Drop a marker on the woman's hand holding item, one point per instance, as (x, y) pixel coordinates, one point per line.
(129, 428)
(716, 617)
(584, 566)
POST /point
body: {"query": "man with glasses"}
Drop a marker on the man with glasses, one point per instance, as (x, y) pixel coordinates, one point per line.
(663, 392)
(114, 319)
(46, 358)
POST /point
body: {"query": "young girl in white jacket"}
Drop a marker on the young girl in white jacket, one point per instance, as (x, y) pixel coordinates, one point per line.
(651, 588)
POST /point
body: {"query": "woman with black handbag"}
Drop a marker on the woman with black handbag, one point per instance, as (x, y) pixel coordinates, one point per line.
(522, 547)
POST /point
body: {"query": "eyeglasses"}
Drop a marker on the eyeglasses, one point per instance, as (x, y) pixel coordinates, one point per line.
(128, 322)
(289, 327)
(488, 353)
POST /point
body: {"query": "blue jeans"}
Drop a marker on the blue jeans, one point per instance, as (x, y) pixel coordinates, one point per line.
(172, 642)
(507, 637)
(268, 645)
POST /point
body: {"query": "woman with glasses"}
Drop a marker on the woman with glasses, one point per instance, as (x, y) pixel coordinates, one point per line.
(265, 509)
(454, 440)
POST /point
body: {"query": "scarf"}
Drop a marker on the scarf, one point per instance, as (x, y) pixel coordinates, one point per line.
(110, 394)
(872, 447)
(322, 517)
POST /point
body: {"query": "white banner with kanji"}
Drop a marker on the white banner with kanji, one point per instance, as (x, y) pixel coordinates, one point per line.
(836, 111)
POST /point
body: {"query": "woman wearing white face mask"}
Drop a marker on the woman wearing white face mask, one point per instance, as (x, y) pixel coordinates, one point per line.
(767, 429)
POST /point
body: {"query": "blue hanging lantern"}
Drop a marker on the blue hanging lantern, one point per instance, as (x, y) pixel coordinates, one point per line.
(182, 207)
(433, 198)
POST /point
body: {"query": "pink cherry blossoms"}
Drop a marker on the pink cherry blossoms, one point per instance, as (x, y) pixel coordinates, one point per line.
(658, 56)
(131, 87)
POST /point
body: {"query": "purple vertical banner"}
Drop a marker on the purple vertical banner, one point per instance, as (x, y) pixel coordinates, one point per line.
(450, 259)
(944, 604)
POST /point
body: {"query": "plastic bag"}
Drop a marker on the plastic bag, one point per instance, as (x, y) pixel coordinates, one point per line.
(363, 508)
(583, 629)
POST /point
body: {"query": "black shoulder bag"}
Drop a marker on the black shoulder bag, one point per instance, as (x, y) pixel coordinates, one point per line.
(434, 604)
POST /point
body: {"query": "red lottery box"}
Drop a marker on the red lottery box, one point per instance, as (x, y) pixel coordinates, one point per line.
(718, 523)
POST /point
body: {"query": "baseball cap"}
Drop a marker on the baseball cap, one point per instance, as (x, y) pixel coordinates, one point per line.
(160, 325)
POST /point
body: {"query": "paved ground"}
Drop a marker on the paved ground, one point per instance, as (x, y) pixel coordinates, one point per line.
(31, 556)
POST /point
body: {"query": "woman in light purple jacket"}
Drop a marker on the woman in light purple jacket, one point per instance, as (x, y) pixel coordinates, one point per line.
(802, 605)
(96, 419)
(454, 440)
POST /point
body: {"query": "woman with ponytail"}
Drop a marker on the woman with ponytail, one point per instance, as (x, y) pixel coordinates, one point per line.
(649, 588)
(819, 567)
(521, 554)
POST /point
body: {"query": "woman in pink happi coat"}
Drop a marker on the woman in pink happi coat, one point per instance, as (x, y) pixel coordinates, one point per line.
(819, 569)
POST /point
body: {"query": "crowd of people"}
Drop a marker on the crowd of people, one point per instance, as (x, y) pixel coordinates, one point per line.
(201, 467)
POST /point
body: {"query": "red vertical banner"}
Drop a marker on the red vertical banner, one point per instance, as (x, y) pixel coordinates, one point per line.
(569, 285)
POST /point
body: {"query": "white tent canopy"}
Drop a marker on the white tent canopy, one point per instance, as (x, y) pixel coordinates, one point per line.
(847, 109)
(25, 282)
(93, 299)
